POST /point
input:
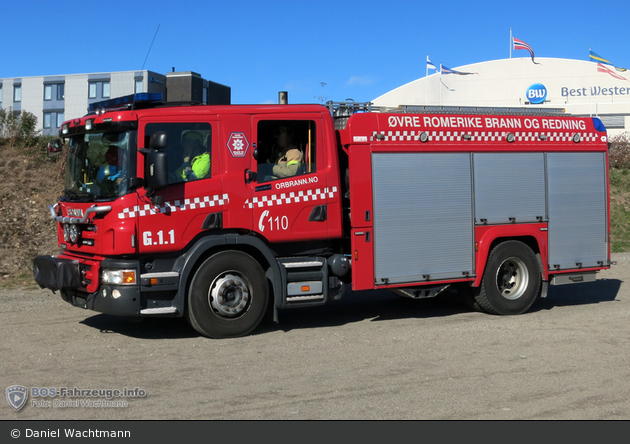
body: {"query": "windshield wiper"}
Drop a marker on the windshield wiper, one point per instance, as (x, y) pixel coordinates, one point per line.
(70, 194)
(81, 197)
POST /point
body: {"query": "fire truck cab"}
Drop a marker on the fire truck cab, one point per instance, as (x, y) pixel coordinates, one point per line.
(219, 213)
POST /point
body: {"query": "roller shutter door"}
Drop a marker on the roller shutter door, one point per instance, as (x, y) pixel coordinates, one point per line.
(577, 210)
(423, 222)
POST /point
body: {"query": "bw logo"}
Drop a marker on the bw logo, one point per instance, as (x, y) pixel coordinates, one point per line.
(17, 395)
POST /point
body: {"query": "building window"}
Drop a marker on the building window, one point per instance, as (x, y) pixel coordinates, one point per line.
(59, 119)
(60, 91)
(139, 86)
(0, 93)
(92, 90)
(106, 90)
(47, 92)
(47, 120)
(17, 93)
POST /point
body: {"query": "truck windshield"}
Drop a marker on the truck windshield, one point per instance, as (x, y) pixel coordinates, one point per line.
(99, 165)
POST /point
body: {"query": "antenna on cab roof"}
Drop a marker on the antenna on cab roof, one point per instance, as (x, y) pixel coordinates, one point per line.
(151, 46)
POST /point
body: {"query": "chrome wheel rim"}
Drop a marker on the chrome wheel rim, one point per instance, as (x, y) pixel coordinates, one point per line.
(229, 295)
(512, 278)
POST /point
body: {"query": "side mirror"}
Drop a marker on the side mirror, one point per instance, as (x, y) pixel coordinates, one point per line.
(158, 140)
(54, 147)
(155, 169)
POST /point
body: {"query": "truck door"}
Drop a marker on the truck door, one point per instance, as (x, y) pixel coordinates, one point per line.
(194, 197)
(291, 192)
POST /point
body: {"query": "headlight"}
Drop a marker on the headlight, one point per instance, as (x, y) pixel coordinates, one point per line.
(118, 277)
(70, 233)
(74, 233)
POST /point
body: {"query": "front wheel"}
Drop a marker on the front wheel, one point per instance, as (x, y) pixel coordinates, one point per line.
(512, 280)
(228, 295)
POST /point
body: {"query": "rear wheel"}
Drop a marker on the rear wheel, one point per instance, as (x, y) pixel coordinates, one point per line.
(512, 280)
(228, 295)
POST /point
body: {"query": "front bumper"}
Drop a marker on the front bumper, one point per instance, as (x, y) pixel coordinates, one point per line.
(55, 273)
(115, 300)
(78, 282)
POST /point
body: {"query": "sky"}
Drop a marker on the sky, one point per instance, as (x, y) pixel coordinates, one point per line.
(316, 51)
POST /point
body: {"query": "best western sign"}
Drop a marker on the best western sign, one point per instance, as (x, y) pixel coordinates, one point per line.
(537, 93)
(595, 91)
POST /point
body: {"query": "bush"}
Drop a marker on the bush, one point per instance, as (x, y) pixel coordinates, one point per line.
(18, 128)
(619, 151)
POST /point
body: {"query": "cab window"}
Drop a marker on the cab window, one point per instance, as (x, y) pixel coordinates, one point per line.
(188, 149)
(286, 148)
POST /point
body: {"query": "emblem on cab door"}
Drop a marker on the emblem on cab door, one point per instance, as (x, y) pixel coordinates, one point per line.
(238, 144)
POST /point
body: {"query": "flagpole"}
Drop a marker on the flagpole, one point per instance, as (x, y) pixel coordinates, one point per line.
(510, 71)
(596, 98)
(590, 86)
(426, 84)
(440, 82)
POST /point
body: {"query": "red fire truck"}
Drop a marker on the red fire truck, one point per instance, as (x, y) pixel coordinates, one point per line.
(501, 205)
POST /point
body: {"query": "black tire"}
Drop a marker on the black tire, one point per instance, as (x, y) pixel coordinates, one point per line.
(466, 295)
(228, 296)
(511, 281)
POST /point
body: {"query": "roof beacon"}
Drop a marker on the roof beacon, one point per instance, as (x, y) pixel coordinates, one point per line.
(130, 101)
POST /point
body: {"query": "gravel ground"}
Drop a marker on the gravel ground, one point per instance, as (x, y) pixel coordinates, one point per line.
(371, 355)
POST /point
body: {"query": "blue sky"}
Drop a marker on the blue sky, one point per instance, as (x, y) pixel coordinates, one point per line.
(359, 49)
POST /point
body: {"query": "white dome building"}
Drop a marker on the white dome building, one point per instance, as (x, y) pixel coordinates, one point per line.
(583, 88)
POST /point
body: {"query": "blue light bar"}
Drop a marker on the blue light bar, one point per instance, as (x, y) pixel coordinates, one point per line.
(599, 125)
(120, 102)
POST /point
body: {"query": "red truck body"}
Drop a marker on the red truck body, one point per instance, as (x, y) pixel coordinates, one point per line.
(501, 205)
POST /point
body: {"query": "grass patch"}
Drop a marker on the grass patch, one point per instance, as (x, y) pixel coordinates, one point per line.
(619, 210)
(619, 228)
(23, 281)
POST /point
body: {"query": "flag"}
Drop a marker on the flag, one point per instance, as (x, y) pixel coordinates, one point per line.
(446, 70)
(602, 68)
(441, 71)
(599, 59)
(430, 65)
(519, 44)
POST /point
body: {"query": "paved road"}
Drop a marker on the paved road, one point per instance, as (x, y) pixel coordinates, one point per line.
(370, 356)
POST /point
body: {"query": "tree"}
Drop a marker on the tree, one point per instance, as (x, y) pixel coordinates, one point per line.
(18, 127)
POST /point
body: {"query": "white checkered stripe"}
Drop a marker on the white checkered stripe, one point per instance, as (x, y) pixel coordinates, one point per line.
(178, 205)
(479, 136)
(451, 136)
(292, 197)
(400, 136)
